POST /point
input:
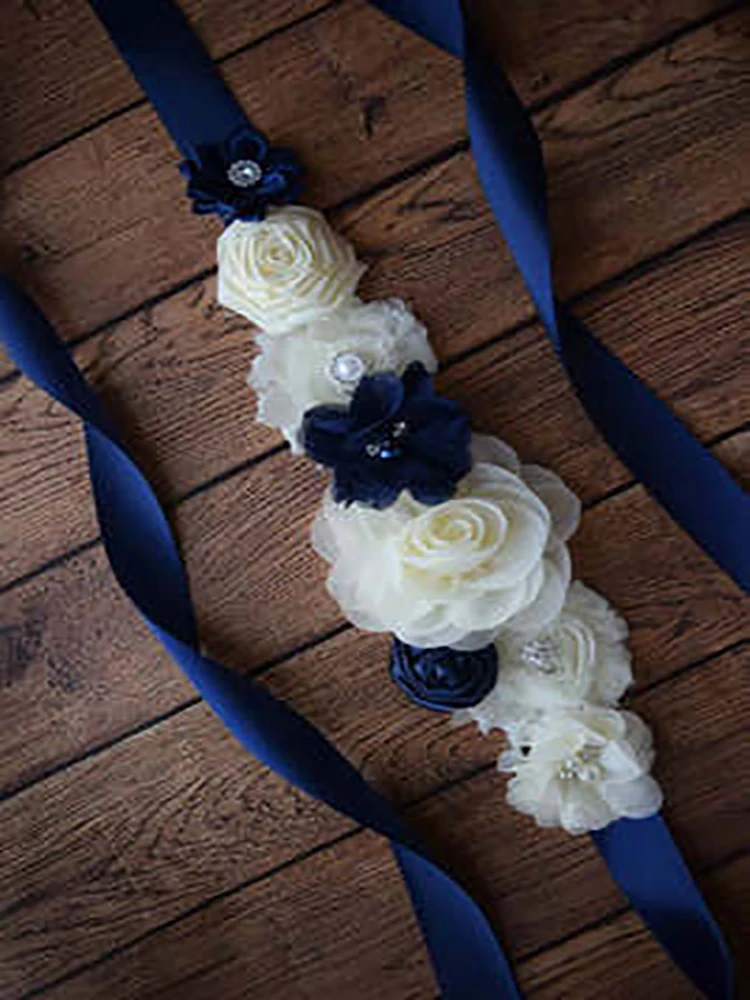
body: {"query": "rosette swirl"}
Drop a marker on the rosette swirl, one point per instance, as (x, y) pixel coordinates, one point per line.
(287, 269)
(443, 679)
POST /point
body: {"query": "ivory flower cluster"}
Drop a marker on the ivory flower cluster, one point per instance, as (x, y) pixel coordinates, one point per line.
(293, 277)
(443, 539)
(575, 760)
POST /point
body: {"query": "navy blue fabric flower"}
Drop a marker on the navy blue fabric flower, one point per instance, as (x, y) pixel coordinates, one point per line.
(241, 177)
(443, 679)
(397, 434)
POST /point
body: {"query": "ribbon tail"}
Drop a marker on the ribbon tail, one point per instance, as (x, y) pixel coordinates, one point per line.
(645, 862)
(671, 463)
(678, 471)
(466, 957)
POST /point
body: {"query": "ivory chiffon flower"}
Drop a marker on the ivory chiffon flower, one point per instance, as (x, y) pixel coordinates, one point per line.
(582, 769)
(285, 270)
(581, 656)
(323, 361)
(456, 573)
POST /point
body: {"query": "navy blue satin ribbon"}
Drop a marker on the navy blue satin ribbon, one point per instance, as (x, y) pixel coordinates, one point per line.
(691, 485)
(649, 869)
(468, 962)
(197, 108)
(167, 59)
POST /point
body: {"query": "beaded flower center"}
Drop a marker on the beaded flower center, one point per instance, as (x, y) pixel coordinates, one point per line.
(390, 445)
(583, 765)
(542, 655)
(244, 173)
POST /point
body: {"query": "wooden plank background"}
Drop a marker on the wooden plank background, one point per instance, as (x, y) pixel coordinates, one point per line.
(143, 854)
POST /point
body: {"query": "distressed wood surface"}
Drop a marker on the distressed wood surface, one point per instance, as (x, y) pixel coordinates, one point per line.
(137, 237)
(58, 75)
(143, 854)
(218, 824)
(175, 374)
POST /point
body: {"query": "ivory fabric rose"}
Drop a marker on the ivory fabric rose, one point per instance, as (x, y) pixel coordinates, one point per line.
(456, 573)
(580, 657)
(322, 361)
(285, 270)
(583, 769)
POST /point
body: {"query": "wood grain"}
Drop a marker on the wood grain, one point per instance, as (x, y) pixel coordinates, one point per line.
(82, 670)
(117, 229)
(59, 73)
(165, 862)
(131, 243)
(173, 377)
(144, 834)
(622, 955)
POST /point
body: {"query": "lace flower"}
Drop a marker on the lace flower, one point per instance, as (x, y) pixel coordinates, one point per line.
(582, 769)
(324, 360)
(396, 434)
(241, 177)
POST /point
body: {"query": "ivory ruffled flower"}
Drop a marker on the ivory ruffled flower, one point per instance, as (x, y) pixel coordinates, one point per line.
(288, 269)
(456, 573)
(580, 657)
(323, 361)
(583, 769)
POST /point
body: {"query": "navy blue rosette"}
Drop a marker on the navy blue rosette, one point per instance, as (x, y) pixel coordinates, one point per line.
(396, 434)
(443, 679)
(241, 177)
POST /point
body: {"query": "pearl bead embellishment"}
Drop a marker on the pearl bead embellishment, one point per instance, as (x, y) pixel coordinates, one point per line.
(244, 173)
(583, 765)
(347, 368)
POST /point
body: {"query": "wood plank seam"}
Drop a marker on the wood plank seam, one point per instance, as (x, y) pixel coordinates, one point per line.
(320, 640)
(672, 627)
(567, 90)
(318, 849)
(125, 109)
(703, 721)
(416, 168)
(255, 672)
(451, 360)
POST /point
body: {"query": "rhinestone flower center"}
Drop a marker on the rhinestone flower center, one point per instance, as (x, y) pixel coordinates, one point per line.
(244, 173)
(542, 655)
(583, 765)
(390, 445)
(347, 368)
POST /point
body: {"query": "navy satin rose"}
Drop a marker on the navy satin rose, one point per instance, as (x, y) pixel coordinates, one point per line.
(396, 434)
(241, 177)
(443, 679)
